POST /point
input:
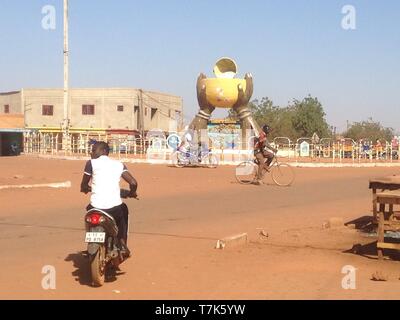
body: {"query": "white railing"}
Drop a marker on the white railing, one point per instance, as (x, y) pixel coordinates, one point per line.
(303, 149)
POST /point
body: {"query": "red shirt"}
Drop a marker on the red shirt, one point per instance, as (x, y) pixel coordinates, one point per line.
(260, 141)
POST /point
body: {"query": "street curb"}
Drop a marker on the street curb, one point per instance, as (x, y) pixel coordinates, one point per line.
(235, 163)
(232, 241)
(66, 184)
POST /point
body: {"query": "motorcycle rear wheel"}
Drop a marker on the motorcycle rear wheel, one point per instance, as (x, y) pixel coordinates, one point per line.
(97, 267)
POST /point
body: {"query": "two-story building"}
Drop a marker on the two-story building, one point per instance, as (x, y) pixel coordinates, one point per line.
(95, 110)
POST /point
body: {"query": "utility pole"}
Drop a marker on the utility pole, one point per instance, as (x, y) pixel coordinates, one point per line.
(180, 124)
(141, 113)
(66, 120)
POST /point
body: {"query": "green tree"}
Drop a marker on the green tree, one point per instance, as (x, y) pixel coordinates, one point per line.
(309, 118)
(299, 119)
(279, 119)
(369, 130)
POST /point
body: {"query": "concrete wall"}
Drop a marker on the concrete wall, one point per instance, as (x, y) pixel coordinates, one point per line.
(161, 104)
(106, 115)
(34, 99)
(13, 99)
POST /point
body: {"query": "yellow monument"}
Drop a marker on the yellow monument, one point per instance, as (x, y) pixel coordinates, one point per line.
(224, 91)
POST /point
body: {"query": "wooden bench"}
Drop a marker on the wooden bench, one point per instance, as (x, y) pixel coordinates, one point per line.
(387, 220)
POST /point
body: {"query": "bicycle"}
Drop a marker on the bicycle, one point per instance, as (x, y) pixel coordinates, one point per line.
(282, 173)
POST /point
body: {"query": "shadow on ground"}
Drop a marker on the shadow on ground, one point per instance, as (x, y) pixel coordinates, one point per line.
(363, 224)
(366, 226)
(82, 274)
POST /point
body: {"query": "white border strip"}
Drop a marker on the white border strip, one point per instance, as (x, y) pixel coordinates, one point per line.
(234, 163)
(66, 184)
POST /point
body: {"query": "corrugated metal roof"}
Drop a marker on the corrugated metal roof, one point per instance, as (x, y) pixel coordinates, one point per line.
(8, 93)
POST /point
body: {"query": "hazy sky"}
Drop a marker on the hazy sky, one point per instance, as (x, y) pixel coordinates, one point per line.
(292, 47)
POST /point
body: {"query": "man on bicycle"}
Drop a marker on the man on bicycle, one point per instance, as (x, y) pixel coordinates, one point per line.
(189, 145)
(263, 152)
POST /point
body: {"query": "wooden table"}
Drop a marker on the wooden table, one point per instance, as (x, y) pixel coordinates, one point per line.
(382, 194)
(382, 184)
(388, 220)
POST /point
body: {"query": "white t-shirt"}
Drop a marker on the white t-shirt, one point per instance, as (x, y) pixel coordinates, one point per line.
(106, 175)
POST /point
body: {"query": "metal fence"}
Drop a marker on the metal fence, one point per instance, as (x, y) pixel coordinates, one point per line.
(302, 150)
(80, 144)
(344, 149)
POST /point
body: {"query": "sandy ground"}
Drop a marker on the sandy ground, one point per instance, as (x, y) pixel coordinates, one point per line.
(174, 228)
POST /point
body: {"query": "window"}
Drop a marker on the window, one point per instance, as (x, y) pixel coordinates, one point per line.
(6, 108)
(47, 110)
(153, 112)
(88, 109)
(120, 108)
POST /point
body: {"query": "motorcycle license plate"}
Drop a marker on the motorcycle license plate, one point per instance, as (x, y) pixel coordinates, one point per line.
(96, 237)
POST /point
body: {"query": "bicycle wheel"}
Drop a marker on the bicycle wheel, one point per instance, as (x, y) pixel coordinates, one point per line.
(177, 160)
(282, 174)
(246, 172)
(210, 161)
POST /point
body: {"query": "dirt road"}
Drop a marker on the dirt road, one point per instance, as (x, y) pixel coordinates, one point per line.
(174, 228)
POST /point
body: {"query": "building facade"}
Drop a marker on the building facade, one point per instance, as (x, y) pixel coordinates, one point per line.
(107, 109)
(11, 134)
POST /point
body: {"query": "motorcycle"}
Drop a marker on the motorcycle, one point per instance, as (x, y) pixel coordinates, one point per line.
(103, 246)
(181, 158)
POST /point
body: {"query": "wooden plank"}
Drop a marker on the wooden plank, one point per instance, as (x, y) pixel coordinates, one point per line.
(383, 201)
(385, 245)
(389, 194)
(381, 234)
(374, 206)
(394, 179)
(392, 228)
(384, 186)
(392, 223)
(387, 183)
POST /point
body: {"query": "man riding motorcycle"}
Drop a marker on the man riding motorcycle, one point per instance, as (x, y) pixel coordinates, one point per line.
(262, 152)
(105, 175)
